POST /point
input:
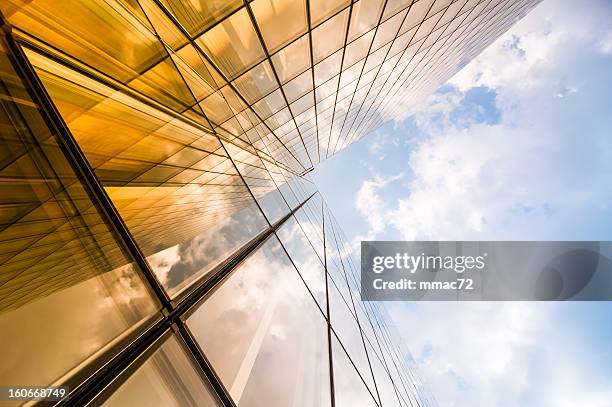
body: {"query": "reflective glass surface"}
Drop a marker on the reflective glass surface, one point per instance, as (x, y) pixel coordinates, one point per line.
(258, 316)
(174, 185)
(349, 388)
(166, 378)
(219, 63)
(61, 266)
(178, 135)
(305, 258)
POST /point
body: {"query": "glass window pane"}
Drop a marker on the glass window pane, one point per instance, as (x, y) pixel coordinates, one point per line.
(197, 15)
(293, 59)
(416, 14)
(322, 9)
(342, 313)
(270, 104)
(286, 190)
(328, 68)
(357, 49)
(305, 258)
(426, 27)
(233, 44)
(325, 90)
(279, 21)
(125, 49)
(196, 71)
(375, 59)
(384, 385)
(257, 82)
(164, 84)
(275, 122)
(301, 105)
(387, 30)
(439, 5)
(258, 317)
(61, 267)
(329, 36)
(346, 328)
(174, 186)
(365, 16)
(215, 107)
(153, 17)
(393, 6)
(259, 181)
(350, 76)
(451, 13)
(166, 378)
(349, 389)
(298, 87)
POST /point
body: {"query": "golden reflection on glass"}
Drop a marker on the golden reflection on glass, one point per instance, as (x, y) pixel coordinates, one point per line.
(329, 36)
(279, 21)
(151, 15)
(322, 9)
(143, 102)
(233, 44)
(293, 59)
(164, 83)
(126, 48)
(197, 15)
(257, 82)
(61, 267)
(173, 72)
(258, 316)
(172, 183)
(196, 71)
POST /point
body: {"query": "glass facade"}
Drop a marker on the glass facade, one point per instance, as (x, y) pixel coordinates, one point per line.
(161, 242)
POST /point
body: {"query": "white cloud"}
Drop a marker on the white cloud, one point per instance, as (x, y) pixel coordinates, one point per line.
(605, 44)
(380, 142)
(161, 262)
(377, 144)
(541, 172)
(370, 204)
(501, 354)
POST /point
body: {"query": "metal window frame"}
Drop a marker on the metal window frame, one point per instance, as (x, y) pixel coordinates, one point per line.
(114, 364)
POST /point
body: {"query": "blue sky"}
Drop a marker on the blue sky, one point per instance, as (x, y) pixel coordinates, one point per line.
(518, 145)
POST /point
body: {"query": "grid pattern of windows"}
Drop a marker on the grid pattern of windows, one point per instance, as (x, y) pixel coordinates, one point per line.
(295, 79)
(161, 241)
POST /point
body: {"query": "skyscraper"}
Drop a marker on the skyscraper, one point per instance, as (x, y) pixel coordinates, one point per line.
(161, 241)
